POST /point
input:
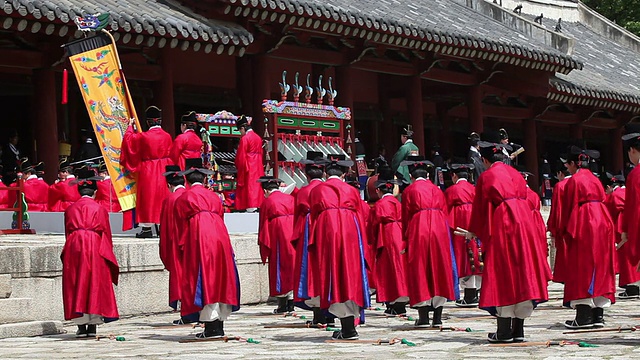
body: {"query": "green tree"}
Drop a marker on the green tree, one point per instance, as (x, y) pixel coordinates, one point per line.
(625, 13)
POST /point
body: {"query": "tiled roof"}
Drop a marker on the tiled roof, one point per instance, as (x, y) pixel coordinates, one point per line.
(163, 18)
(442, 22)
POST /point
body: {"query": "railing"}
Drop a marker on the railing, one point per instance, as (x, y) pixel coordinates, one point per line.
(19, 200)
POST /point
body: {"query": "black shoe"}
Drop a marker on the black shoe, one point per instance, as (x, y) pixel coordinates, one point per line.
(400, 308)
(503, 334)
(469, 300)
(597, 314)
(157, 227)
(347, 330)
(92, 330)
(290, 306)
(82, 331)
(437, 317)
(212, 329)
(318, 316)
(423, 317)
(145, 233)
(630, 292)
(182, 321)
(282, 306)
(583, 320)
(517, 327)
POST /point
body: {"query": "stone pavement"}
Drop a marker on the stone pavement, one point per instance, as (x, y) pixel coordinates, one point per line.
(151, 337)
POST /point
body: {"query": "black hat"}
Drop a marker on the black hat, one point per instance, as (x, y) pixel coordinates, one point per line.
(194, 164)
(338, 160)
(39, 168)
(171, 171)
(64, 164)
(314, 159)
(269, 180)
(153, 113)
(503, 134)
(578, 154)
(24, 165)
(385, 176)
(474, 136)
(242, 121)
(189, 118)
(84, 132)
(86, 179)
(408, 131)
(352, 179)
(631, 140)
(416, 162)
(102, 167)
(457, 168)
(487, 149)
(616, 179)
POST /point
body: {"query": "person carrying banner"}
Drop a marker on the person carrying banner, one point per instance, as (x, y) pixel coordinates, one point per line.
(249, 162)
(147, 154)
(188, 144)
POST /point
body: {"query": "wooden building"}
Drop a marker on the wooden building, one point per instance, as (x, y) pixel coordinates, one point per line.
(447, 67)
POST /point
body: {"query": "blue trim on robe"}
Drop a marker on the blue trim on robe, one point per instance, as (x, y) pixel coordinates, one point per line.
(199, 295)
(303, 285)
(363, 268)
(278, 283)
(593, 282)
(174, 304)
(454, 264)
(235, 308)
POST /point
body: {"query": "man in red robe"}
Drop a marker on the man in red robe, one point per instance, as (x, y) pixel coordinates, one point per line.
(36, 191)
(147, 154)
(514, 275)
(386, 239)
(561, 264)
(210, 282)
(188, 144)
(64, 192)
(432, 274)
(338, 247)
(630, 224)
(106, 195)
(274, 237)
(468, 253)
(629, 276)
(89, 266)
(590, 237)
(250, 167)
(533, 199)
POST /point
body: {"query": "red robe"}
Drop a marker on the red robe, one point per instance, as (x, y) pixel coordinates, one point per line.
(4, 198)
(274, 237)
(371, 249)
(534, 204)
(147, 153)
(36, 193)
(250, 167)
(390, 249)
(561, 265)
(432, 269)
(63, 194)
(615, 203)
(89, 266)
(208, 263)
(514, 269)
(304, 269)
(169, 252)
(459, 200)
(338, 245)
(106, 196)
(187, 145)
(631, 217)
(590, 238)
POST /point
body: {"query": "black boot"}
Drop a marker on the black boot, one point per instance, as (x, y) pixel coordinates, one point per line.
(145, 233)
(597, 314)
(92, 330)
(503, 333)
(517, 327)
(318, 317)
(470, 298)
(437, 317)
(290, 307)
(157, 227)
(212, 329)
(82, 331)
(218, 328)
(389, 310)
(583, 320)
(347, 329)
(400, 308)
(282, 306)
(423, 317)
(630, 292)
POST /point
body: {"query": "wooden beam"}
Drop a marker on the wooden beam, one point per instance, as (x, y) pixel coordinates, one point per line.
(21, 59)
(556, 117)
(385, 67)
(515, 84)
(500, 112)
(450, 77)
(309, 55)
(601, 123)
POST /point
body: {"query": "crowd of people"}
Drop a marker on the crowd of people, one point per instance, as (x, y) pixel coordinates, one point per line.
(329, 251)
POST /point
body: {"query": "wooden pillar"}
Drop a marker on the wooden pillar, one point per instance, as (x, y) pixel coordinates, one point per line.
(165, 99)
(618, 156)
(46, 135)
(531, 153)
(244, 81)
(388, 132)
(416, 113)
(576, 131)
(474, 107)
(445, 128)
(261, 90)
(344, 84)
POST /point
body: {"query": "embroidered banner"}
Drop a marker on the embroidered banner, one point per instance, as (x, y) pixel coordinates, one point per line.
(103, 86)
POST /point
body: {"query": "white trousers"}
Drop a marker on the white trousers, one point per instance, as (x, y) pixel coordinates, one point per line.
(471, 282)
(213, 312)
(520, 310)
(600, 302)
(288, 295)
(637, 283)
(89, 319)
(313, 302)
(148, 225)
(345, 309)
(435, 302)
(401, 299)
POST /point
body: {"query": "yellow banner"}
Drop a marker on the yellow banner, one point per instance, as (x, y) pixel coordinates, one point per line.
(109, 105)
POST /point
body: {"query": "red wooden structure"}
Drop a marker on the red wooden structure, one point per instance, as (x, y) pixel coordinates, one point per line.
(20, 229)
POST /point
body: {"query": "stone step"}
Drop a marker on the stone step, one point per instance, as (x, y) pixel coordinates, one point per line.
(31, 328)
(15, 310)
(5, 286)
